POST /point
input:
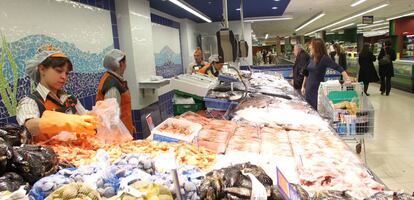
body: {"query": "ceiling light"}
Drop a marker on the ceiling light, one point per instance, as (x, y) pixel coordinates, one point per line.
(374, 25)
(267, 36)
(274, 8)
(404, 15)
(380, 28)
(358, 25)
(276, 0)
(330, 33)
(357, 3)
(349, 18)
(341, 27)
(271, 18)
(311, 21)
(287, 37)
(238, 9)
(189, 8)
(379, 21)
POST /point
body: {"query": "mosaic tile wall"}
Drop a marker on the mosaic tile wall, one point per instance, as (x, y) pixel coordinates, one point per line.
(82, 82)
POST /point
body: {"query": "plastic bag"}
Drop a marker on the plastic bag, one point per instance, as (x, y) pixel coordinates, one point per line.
(45, 186)
(258, 190)
(14, 134)
(74, 191)
(6, 153)
(11, 181)
(19, 194)
(110, 129)
(34, 162)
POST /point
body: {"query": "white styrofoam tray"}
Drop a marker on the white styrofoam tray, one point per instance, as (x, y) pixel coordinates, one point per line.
(159, 135)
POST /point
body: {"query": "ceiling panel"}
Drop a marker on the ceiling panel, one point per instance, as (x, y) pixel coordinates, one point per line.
(335, 10)
(214, 8)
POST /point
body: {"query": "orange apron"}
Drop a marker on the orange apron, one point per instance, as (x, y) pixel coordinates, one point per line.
(107, 82)
(52, 105)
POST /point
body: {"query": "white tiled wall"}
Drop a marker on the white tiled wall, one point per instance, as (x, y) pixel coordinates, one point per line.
(135, 38)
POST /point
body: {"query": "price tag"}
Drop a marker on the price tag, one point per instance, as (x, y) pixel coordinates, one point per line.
(285, 188)
(150, 122)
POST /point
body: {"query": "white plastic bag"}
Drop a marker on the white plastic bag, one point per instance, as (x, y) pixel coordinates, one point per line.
(258, 190)
(110, 129)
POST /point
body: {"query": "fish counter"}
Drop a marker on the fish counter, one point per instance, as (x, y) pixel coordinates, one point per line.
(192, 156)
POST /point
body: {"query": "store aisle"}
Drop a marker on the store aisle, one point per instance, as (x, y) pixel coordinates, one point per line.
(390, 153)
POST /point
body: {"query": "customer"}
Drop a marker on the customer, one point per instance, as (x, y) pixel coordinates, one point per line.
(198, 62)
(386, 67)
(113, 85)
(316, 71)
(302, 60)
(367, 72)
(339, 56)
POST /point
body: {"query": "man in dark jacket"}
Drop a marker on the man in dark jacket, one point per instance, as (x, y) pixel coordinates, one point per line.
(302, 60)
(386, 67)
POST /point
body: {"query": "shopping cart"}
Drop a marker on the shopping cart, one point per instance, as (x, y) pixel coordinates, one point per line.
(349, 110)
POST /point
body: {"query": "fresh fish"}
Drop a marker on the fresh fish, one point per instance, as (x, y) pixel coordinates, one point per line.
(387, 195)
(332, 195)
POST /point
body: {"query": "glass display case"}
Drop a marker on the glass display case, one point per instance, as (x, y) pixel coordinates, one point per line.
(408, 47)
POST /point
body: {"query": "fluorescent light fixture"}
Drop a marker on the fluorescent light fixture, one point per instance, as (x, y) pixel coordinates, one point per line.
(380, 28)
(344, 26)
(379, 21)
(190, 9)
(287, 37)
(310, 21)
(357, 3)
(374, 25)
(267, 36)
(270, 18)
(238, 9)
(274, 8)
(349, 18)
(359, 25)
(404, 15)
(330, 33)
(276, 0)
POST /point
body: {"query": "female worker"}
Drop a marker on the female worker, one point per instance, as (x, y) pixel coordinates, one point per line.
(113, 85)
(214, 68)
(50, 110)
(316, 70)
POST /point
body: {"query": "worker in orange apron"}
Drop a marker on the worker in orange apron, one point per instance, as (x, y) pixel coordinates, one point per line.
(113, 85)
(198, 63)
(213, 68)
(49, 110)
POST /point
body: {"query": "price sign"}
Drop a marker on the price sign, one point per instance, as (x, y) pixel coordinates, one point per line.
(285, 188)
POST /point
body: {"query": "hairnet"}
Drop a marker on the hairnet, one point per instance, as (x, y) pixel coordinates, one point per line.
(43, 52)
(112, 58)
(214, 58)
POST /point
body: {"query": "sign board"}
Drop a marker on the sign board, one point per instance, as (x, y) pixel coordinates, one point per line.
(285, 188)
(368, 19)
(150, 122)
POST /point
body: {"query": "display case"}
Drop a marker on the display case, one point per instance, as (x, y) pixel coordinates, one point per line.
(408, 47)
(403, 73)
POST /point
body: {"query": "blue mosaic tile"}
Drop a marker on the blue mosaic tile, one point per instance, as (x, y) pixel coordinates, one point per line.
(99, 3)
(12, 120)
(92, 2)
(112, 5)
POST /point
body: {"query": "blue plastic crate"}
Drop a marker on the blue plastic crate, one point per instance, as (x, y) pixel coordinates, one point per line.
(217, 104)
(162, 138)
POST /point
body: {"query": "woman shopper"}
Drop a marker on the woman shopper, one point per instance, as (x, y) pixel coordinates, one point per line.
(367, 72)
(339, 56)
(49, 110)
(316, 71)
(386, 67)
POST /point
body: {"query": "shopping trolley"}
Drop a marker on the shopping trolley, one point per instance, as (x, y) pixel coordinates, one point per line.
(349, 111)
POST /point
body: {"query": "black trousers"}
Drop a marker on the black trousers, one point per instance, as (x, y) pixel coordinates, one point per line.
(385, 84)
(366, 84)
